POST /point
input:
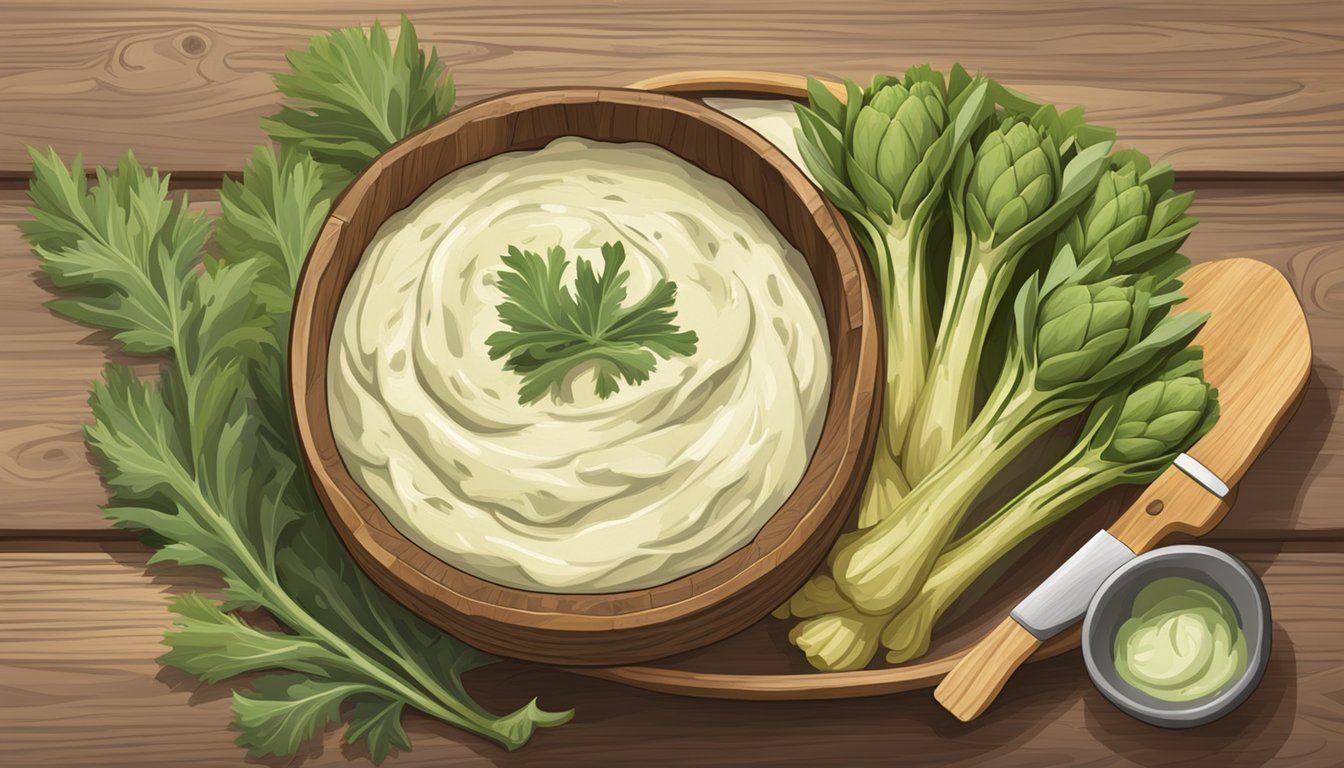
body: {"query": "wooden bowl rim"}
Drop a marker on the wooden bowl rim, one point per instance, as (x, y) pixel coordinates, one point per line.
(354, 514)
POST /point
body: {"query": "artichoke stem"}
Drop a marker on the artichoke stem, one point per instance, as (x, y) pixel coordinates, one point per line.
(943, 411)
(884, 569)
(1074, 480)
(885, 488)
(838, 642)
(908, 335)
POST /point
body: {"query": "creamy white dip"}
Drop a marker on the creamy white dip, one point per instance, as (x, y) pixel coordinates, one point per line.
(573, 493)
(774, 119)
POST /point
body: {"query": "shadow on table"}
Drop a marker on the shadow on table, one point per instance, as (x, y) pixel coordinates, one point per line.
(619, 726)
(1273, 490)
(1028, 725)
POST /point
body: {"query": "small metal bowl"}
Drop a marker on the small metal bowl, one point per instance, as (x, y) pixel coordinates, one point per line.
(1111, 606)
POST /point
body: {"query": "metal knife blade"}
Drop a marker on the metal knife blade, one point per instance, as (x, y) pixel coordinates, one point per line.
(1062, 599)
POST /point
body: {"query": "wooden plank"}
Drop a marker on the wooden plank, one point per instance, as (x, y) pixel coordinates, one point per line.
(47, 478)
(1292, 491)
(81, 629)
(1216, 87)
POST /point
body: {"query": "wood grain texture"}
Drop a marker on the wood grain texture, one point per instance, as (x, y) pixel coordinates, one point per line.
(1216, 87)
(635, 625)
(1291, 491)
(1223, 89)
(982, 673)
(1257, 352)
(1172, 504)
(79, 686)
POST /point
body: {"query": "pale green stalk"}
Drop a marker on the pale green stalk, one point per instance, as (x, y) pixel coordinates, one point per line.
(1078, 340)
(1132, 437)
(882, 157)
(1003, 201)
(908, 633)
(840, 641)
(864, 569)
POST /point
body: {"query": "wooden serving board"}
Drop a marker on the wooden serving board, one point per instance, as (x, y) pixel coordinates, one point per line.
(760, 664)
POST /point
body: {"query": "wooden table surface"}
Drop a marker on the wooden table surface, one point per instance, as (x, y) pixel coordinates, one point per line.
(1245, 97)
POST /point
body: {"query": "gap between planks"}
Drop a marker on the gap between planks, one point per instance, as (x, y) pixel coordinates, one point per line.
(117, 540)
(1295, 181)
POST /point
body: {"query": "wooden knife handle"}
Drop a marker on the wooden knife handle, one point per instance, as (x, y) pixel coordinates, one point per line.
(975, 682)
(1173, 503)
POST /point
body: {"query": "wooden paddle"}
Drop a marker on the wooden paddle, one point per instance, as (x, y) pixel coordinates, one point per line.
(1258, 353)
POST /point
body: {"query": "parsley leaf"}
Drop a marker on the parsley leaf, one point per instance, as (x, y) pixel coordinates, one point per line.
(553, 331)
(352, 95)
(378, 724)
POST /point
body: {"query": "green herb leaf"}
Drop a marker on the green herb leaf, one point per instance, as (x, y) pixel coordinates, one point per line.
(354, 95)
(378, 724)
(283, 711)
(273, 216)
(214, 645)
(205, 460)
(553, 331)
(125, 222)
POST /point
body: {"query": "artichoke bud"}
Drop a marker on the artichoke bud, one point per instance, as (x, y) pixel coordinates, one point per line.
(893, 136)
(1081, 328)
(1015, 177)
(1158, 419)
(1117, 216)
(1169, 211)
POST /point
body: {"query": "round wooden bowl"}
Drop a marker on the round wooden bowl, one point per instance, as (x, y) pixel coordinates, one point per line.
(637, 625)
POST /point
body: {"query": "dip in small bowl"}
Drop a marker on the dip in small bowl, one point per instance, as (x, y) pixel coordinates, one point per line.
(1178, 637)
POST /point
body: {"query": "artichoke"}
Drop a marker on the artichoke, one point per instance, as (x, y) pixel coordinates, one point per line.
(1132, 435)
(899, 144)
(1163, 416)
(1082, 327)
(1115, 218)
(1086, 334)
(1007, 195)
(1014, 180)
(883, 157)
(1134, 222)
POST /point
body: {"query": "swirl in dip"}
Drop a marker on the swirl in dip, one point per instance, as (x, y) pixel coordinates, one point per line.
(573, 493)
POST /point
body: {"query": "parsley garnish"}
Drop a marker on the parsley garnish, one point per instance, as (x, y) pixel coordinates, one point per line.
(552, 331)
